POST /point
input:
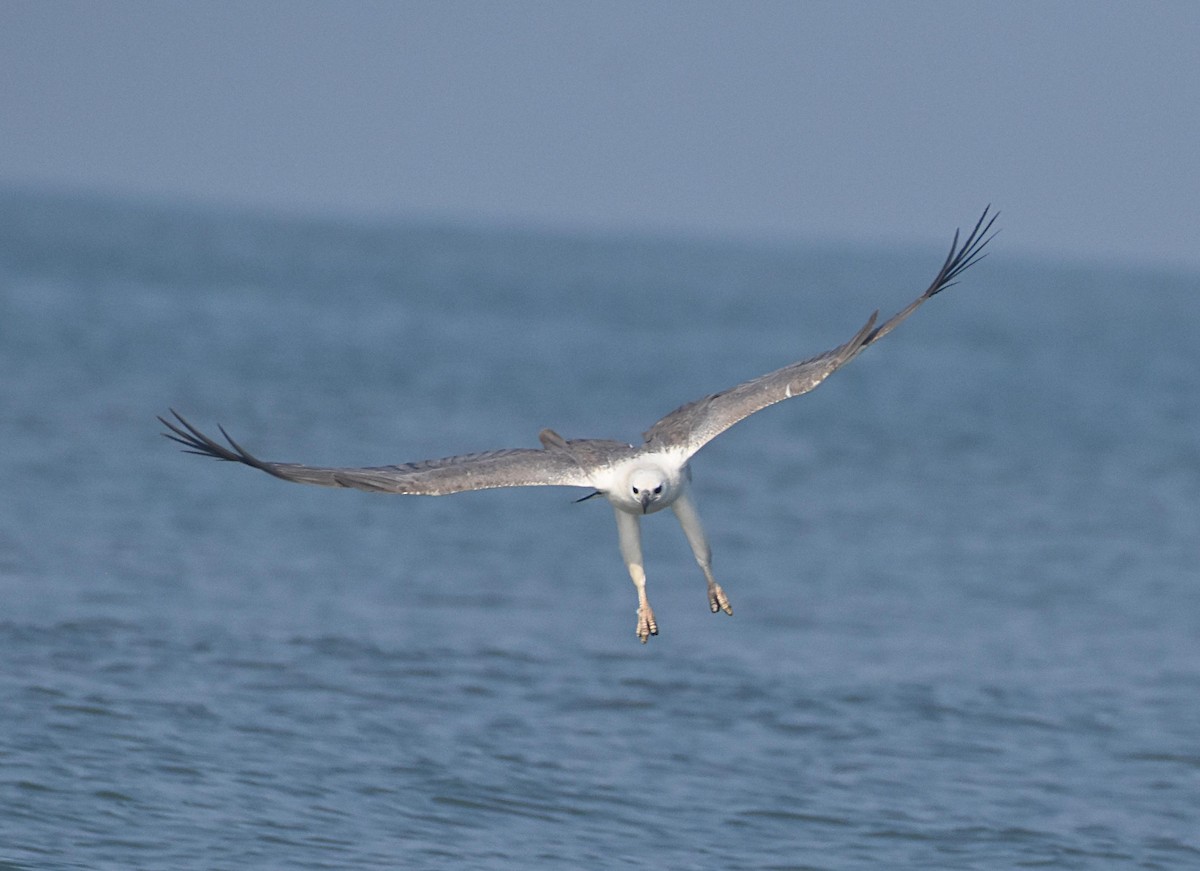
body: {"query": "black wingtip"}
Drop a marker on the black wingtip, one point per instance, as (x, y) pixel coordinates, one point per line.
(962, 258)
(196, 442)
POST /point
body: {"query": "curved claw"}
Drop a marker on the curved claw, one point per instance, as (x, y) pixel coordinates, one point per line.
(646, 625)
(717, 600)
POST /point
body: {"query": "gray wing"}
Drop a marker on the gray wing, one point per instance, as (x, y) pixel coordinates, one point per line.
(691, 426)
(520, 467)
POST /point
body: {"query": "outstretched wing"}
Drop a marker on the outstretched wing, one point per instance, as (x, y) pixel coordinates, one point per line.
(521, 467)
(691, 426)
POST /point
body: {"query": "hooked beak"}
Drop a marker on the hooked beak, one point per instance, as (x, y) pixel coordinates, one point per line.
(645, 500)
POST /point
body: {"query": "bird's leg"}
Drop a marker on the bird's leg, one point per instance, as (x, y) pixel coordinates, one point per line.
(629, 534)
(685, 510)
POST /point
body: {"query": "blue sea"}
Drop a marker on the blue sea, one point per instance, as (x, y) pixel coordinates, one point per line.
(964, 570)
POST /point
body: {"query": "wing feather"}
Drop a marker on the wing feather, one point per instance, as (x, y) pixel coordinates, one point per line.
(691, 426)
(518, 467)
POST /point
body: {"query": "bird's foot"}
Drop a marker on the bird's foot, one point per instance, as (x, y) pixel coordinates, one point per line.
(646, 625)
(717, 600)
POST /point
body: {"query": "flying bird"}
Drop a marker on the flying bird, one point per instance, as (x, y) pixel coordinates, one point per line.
(636, 479)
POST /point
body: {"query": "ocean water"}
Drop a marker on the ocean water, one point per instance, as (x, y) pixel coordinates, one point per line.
(964, 570)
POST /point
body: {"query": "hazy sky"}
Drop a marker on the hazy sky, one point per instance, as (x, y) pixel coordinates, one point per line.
(885, 121)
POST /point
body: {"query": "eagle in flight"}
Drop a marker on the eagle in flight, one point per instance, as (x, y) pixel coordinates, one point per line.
(636, 479)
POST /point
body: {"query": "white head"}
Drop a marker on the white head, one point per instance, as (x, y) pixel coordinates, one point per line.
(648, 487)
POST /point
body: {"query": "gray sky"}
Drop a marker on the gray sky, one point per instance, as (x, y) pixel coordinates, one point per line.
(855, 121)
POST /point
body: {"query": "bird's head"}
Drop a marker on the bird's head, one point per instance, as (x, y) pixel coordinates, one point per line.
(647, 486)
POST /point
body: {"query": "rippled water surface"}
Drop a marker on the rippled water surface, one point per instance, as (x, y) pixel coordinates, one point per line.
(964, 569)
